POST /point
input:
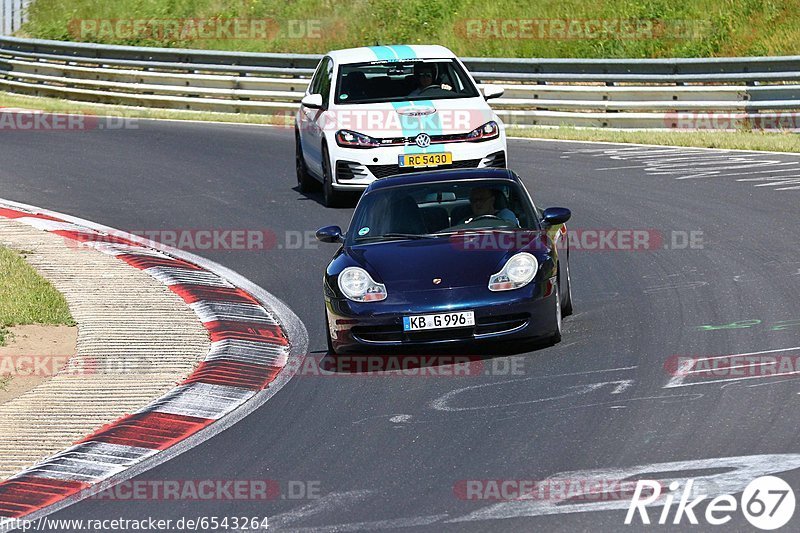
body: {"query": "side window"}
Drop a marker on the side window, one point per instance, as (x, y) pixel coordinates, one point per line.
(326, 76)
(314, 85)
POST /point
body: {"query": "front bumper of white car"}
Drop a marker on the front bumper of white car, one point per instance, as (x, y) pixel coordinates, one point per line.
(355, 168)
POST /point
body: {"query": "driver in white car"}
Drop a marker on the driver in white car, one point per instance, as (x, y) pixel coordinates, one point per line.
(484, 202)
(424, 76)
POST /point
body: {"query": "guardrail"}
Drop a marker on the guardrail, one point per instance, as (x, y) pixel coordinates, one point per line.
(720, 93)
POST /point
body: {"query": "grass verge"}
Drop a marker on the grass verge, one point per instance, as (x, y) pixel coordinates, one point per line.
(730, 140)
(544, 28)
(26, 297)
(739, 140)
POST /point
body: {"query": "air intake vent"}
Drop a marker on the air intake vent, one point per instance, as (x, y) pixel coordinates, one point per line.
(347, 170)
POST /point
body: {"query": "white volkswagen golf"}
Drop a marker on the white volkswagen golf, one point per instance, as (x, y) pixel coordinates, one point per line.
(376, 111)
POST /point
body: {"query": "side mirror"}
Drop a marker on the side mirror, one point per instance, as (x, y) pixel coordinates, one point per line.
(330, 234)
(314, 101)
(492, 91)
(554, 216)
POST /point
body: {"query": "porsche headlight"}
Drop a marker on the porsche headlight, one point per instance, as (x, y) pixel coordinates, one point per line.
(517, 272)
(357, 285)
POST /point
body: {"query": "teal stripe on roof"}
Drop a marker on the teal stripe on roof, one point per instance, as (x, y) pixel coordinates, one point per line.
(393, 53)
(403, 51)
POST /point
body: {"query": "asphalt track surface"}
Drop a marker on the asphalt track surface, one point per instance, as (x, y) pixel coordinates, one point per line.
(390, 452)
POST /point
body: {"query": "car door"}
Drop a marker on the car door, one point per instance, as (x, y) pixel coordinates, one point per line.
(311, 131)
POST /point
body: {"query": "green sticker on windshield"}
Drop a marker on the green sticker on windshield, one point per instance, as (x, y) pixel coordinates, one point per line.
(363, 231)
(343, 97)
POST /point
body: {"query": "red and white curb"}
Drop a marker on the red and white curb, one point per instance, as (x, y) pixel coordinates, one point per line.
(256, 341)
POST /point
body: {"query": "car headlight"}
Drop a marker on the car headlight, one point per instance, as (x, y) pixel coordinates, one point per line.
(490, 130)
(357, 285)
(353, 139)
(517, 272)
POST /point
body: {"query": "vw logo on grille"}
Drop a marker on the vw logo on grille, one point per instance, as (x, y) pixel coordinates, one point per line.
(423, 140)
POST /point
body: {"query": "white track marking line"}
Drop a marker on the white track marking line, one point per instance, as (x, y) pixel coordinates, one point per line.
(787, 180)
(330, 502)
(620, 168)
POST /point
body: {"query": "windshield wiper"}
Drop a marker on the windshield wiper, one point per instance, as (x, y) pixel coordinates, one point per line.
(388, 236)
(498, 229)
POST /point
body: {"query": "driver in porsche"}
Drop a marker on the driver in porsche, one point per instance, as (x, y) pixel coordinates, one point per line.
(483, 202)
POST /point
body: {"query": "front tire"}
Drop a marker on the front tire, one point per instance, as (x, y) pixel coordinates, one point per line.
(330, 196)
(331, 349)
(305, 182)
(556, 337)
(566, 308)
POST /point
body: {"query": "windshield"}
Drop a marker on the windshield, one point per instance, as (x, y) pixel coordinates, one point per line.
(436, 209)
(395, 81)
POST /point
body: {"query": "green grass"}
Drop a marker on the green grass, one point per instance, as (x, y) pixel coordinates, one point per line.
(26, 297)
(733, 140)
(722, 27)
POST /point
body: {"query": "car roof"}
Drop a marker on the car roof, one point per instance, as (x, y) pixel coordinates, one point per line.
(437, 176)
(389, 53)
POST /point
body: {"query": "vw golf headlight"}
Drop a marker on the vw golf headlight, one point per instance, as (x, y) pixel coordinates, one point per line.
(490, 130)
(353, 139)
(357, 285)
(517, 272)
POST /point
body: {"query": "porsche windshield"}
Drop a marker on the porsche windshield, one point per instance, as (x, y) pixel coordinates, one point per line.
(431, 209)
(381, 81)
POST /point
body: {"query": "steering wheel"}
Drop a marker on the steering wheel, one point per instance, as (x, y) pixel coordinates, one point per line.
(431, 86)
(473, 219)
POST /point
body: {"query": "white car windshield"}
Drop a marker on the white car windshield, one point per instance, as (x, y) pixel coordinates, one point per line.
(396, 81)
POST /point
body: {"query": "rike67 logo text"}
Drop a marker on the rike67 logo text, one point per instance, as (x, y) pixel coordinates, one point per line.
(767, 502)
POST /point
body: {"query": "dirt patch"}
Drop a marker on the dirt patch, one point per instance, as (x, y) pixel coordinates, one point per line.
(32, 355)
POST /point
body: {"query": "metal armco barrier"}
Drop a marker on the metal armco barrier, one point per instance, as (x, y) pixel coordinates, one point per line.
(718, 93)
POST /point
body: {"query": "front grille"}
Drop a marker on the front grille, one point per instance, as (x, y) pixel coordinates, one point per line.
(495, 160)
(382, 171)
(347, 170)
(435, 139)
(484, 326)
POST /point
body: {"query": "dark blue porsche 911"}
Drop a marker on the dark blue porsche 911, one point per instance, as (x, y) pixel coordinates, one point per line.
(447, 256)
